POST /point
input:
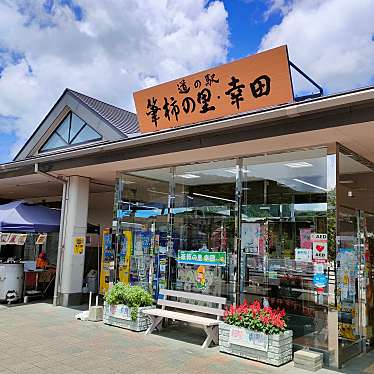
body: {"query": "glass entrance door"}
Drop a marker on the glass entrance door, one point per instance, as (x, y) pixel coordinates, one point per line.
(284, 202)
(277, 268)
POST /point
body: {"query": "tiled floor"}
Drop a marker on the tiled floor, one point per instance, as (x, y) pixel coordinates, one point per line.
(38, 338)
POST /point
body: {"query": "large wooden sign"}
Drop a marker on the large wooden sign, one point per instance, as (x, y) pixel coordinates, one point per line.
(258, 81)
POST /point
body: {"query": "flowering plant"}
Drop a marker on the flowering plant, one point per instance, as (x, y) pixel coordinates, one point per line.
(257, 318)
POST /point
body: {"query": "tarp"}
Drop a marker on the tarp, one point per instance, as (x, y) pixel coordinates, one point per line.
(19, 216)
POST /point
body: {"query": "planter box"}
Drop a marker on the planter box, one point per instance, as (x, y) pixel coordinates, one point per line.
(271, 349)
(120, 316)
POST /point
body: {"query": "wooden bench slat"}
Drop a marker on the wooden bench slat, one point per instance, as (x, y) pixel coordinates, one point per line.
(191, 307)
(194, 296)
(182, 317)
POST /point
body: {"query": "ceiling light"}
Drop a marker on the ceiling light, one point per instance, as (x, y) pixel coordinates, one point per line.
(189, 176)
(233, 171)
(213, 197)
(310, 184)
(301, 164)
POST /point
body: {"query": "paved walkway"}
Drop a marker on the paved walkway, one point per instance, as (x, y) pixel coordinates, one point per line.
(38, 338)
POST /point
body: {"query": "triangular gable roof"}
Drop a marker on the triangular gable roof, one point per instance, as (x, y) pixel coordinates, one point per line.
(111, 122)
(121, 119)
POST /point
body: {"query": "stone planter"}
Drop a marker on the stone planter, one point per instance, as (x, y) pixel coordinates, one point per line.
(271, 349)
(120, 316)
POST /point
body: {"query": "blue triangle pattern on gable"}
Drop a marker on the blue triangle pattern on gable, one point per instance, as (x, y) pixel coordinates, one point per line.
(72, 131)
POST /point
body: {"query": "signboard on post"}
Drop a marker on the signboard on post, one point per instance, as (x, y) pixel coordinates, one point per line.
(79, 245)
(254, 82)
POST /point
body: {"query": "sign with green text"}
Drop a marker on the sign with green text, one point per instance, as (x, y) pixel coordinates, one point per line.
(202, 258)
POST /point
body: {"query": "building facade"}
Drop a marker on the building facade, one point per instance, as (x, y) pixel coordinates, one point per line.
(275, 204)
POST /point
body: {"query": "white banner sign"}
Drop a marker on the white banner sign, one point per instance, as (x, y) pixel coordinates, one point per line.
(119, 311)
(303, 255)
(248, 338)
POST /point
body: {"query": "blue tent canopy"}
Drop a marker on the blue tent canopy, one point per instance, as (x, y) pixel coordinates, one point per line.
(19, 216)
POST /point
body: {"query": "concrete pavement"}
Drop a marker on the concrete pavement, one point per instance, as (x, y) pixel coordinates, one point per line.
(39, 338)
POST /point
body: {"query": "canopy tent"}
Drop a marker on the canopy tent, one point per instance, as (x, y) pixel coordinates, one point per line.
(19, 216)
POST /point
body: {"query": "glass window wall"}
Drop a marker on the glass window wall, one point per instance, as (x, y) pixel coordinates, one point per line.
(284, 205)
(261, 227)
(141, 228)
(354, 256)
(204, 228)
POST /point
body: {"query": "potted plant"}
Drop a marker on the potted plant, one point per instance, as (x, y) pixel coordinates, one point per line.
(255, 332)
(123, 307)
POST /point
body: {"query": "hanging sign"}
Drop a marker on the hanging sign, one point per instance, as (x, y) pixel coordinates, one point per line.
(202, 258)
(41, 239)
(4, 238)
(13, 239)
(319, 244)
(79, 245)
(21, 239)
(254, 82)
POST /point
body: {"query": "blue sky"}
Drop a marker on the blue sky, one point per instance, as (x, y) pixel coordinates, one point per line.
(48, 45)
(248, 25)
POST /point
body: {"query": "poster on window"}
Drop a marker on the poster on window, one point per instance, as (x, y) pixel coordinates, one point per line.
(319, 245)
(305, 241)
(347, 268)
(251, 234)
(303, 255)
(125, 256)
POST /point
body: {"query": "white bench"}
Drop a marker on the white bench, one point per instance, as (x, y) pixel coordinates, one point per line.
(182, 312)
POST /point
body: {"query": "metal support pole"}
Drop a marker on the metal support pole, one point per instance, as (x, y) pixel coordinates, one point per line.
(309, 79)
(238, 225)
(61, 236)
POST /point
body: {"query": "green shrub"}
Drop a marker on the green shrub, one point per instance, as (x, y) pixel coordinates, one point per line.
(132, 296)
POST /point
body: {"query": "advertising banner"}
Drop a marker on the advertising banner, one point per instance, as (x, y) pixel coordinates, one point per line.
(125, 256)
(107, 259)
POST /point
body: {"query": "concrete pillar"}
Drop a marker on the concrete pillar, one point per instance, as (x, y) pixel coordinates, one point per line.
(72, 266)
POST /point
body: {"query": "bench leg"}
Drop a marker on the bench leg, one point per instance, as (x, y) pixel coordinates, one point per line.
(212, 335)
(155, 322)
(215, 335)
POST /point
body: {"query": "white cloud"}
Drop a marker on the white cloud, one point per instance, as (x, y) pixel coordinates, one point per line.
(118, 47)
(331, 40)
